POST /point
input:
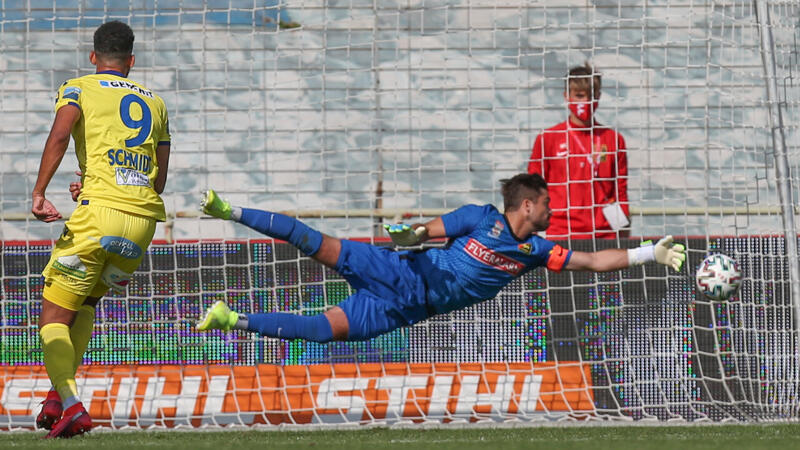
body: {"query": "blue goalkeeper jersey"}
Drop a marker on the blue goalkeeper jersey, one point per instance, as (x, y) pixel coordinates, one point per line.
(482, 257)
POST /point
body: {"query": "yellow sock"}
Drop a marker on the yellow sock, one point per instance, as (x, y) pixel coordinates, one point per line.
(81, 333)
(59, 358)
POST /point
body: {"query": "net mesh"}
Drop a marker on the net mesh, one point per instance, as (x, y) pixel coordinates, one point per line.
(350, 114)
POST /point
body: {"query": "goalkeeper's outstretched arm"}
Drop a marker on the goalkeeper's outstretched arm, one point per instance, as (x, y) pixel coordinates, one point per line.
(663, 252)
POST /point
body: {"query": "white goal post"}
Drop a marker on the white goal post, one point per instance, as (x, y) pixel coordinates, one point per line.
(349, 114)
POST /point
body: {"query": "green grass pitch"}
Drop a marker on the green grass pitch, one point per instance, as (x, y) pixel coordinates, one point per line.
(707, 437)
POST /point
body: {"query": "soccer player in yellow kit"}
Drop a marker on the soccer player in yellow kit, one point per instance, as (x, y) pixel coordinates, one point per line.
(122, 142)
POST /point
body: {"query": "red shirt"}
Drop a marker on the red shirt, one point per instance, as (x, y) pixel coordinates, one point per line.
(585, 169)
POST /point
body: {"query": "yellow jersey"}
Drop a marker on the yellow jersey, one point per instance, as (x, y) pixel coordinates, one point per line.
(121, 125)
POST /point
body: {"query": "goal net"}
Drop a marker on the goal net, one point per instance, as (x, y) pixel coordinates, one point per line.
(354, 114)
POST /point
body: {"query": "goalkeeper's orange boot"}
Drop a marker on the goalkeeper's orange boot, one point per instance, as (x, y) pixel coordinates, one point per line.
(75, 421)
(51, 411)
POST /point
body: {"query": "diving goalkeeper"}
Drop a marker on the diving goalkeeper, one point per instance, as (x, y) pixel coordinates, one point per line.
(486, 251)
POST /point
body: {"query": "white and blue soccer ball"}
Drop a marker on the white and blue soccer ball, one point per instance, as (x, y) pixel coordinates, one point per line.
(718, 277)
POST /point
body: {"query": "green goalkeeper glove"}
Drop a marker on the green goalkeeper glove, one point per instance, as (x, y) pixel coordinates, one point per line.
(403, 235)
(670, 254)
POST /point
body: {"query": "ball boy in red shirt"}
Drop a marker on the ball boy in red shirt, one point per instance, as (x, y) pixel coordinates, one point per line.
(585, 166)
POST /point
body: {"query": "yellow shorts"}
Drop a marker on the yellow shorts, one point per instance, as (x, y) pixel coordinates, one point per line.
(98, 250)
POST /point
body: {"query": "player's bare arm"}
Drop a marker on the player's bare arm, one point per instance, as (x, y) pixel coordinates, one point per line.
(54, 149)
(162, 157)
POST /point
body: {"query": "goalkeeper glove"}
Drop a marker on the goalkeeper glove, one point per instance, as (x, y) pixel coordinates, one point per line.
(670, 254)
(403, 235)
(664, 252)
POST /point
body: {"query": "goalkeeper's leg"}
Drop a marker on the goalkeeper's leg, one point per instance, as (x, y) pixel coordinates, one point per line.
(322, 248)
(360, 317)
(319, 328)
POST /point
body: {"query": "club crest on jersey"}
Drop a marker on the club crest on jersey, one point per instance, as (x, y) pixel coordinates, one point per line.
(600, 154)
(493, 259)
(497, 229)
(525, 248)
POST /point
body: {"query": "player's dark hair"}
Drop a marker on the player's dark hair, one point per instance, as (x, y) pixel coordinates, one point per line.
(113, 40)
(585, 78)
(521, 186)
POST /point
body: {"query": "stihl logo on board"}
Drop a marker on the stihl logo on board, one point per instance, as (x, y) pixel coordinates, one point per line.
(493, 259)
(142, 396)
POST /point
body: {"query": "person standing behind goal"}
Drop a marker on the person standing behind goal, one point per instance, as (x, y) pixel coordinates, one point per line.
(585, 165)
(122, 143)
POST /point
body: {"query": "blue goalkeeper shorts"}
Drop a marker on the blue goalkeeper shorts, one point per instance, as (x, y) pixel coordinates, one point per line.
(389, 294)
